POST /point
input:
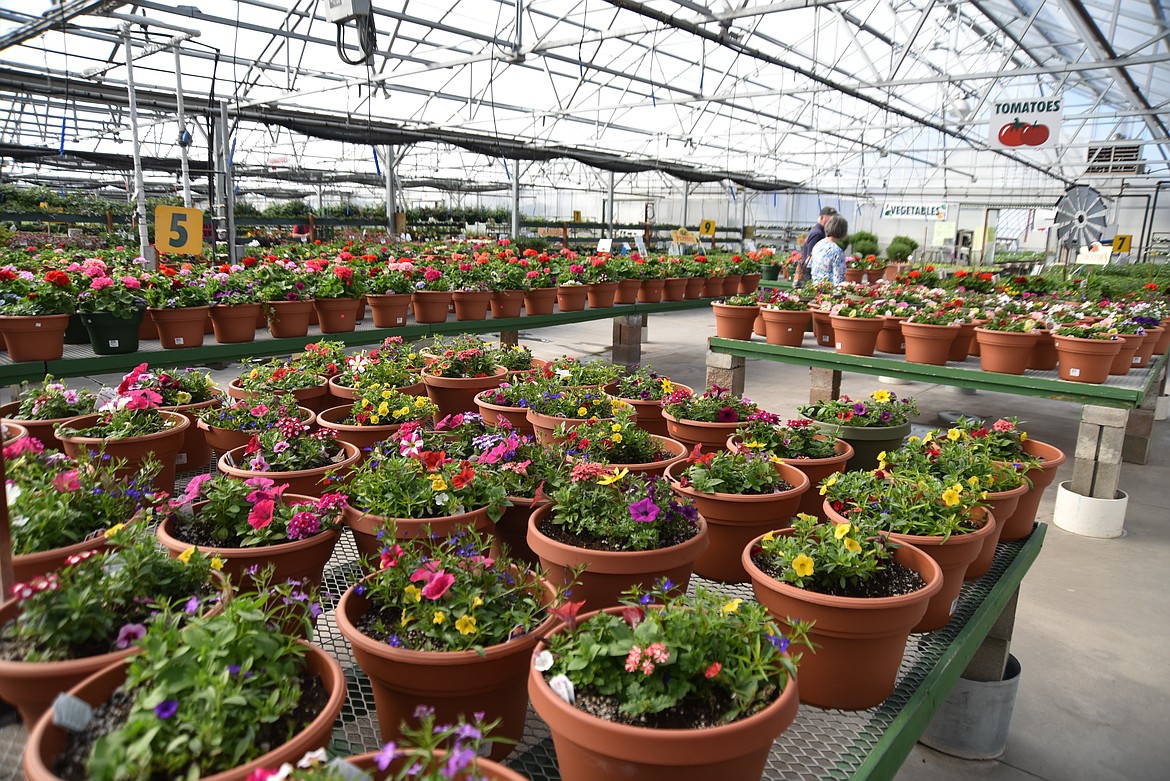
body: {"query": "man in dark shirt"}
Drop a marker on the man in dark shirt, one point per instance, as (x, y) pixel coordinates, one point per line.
(814, 235)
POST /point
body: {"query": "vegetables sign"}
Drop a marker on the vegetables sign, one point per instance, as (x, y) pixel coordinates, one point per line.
(1026, 123)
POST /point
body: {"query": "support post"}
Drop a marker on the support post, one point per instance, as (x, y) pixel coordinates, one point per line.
(515, 199)
(509, 338)
(1140, 428)
(183, 132)
(139, 186)
(391, 191)
(627, 340)
(990, 659)
(611, 204)
(743, 198)
(823, 385)
(1097, 468)
(686, 203)
(726, 371)
(229, 188)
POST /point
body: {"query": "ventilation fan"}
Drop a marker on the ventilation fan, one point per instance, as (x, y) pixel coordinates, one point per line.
(1080, 216)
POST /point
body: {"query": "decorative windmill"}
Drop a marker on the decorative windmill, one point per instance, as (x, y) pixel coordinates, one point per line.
(1080, 217)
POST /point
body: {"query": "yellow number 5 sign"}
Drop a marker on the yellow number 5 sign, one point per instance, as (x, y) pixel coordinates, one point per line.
(178, 231)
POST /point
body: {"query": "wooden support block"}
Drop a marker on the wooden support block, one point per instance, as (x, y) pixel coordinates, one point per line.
(510, 338)
(726, 371)
(824, 384)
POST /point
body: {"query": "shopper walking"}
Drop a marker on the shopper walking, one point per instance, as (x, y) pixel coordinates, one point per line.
(827, 261)
(814, 236)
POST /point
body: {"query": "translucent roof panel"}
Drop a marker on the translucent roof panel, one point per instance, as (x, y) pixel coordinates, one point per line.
(890, 96)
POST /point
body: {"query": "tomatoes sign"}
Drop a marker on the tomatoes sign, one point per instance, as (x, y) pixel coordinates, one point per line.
(1026, 123)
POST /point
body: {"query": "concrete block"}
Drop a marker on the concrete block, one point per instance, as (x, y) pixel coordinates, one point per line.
(1104, 416)
(724, 361)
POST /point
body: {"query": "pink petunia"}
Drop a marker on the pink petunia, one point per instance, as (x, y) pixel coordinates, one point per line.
(261, 514)
(67, 481)
(438, 585)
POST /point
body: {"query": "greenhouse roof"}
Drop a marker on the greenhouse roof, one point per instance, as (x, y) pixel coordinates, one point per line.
(877, 96)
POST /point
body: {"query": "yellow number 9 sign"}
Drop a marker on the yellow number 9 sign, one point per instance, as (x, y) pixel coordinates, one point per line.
(707, 228)
(178, 231)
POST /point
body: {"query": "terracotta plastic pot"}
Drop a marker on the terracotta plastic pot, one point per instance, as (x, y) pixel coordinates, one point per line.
(196, 451)
(856, 335)
(430, 306)
(225, 439)
(890, 338)
(1005, 352)
(361, 437)
(365, 527)
(1044, 357)
(165, 445)
(734, 322)
(712, 436)
(600, 295)
(457, 394)
(627, 291)
(867, 442)
(650, 291)
(874, 274)
(46, 741)
(289, 319)
(785, 327)
(823, 328)
(1020, 524)
(749, 283)
(961, 346)
(1086, 360)
(735, 519)
(1002, 506)
(315, 398)
(854, 275)
(517, 417)
(1160, 346)
(389, 310)
(590, 748)
(815, 469)
(507, 303)
(308, 482)
(471, 304)
(609, 573)
(695, 287)
(484, 768)
(928, 344)
(859, 642)
(511, 530)
(454, 683)
(1126, 354)
(39, 338)
(650, 412)
(543, 426)
(295, 560)
(1145, 352)
(44, 430)
(235, 324)
(336, 315)
(731, 284)
(572, 298)
(674, 288)
(13, 432)
(677, 450)
(180, 329)
(540, 300)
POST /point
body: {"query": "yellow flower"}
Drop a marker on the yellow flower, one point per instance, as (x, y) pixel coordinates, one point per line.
(769, 537)
(952, 495)
(617, 438)
(914, 440)
(440, 617)
(731, 606)
(881, 396)
(616, 427)
(375, 419)
(613, 477)
(465, 625)
(803, 566)
(582, 411)
(929, 436)
(117, 527)
(186, 555)
(402, 411)
(667, 386)
(383, 408)
(973, 480)
(405, 619)
(953, 434)
(841, 530)
(1023, 436)
(852, 545)
(413, 593)
(421, 401)
(476, 602)
(386, 394)
(829, 483)
(438, 483)
(216, 563)
(754, 444)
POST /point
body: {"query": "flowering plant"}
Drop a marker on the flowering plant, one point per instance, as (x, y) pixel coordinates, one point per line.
(977, 281)
(570, 371)
(611, 509)
(851, 307)
(843, 559)
(431, 278)
(337, 280)
(783, 300)
(672, 659)
(291, 446)
(598, 271)
(954, 456)
(1004, 440)
(134, 413)
(882, 408)
(764, 432)
(276, 375)
(644, 384)
(174, 388)
(99, 602)
(520, 465)
(1011, 323)
(324, 358)
(54, 501)
(1091, 331)
(937, 315)
(282, 281)
(232, 286)
(617, 440)
(745, 473)
(248, 513)
(121, 296)
(25, 294)
(513, 357)
(515, 394)
(52, 401)
(444, 594)
(250, 415)
(402, 480)
(380, 368)
(462, 361)
(395, 277)
(171, 288)
(911, 503)
(715, 405)
(578, 403)
(381, 406)
(191, 684)
(744, 299)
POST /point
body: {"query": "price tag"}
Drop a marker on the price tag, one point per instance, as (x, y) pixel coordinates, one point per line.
(178, 231)
(604, 245)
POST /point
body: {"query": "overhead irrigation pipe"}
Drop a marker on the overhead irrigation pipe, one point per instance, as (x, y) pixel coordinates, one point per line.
(184, 133)
(139, 186)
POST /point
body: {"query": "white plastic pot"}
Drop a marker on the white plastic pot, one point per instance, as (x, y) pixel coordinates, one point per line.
(1162, 409)
(1089, 516)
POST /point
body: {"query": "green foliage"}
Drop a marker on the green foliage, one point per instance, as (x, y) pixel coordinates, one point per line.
(747, 474)
(825, 556)
(864, 243)
(900, 248)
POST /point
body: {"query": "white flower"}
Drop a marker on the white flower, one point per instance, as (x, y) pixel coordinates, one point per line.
(282, 773)
(313, 757)
(543, 661)
(12, 493)
(564, 373)
(563, 688)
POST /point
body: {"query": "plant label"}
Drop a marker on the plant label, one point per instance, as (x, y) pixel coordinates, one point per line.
(178, 340)
(113, 343)
(1074, 372)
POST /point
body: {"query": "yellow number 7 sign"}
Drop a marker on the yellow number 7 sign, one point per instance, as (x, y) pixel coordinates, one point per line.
(178, 231)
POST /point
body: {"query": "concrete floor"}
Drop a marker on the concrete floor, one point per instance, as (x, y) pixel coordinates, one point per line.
(1092, 623)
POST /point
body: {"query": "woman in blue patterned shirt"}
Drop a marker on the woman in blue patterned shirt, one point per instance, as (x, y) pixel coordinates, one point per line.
(827, 261)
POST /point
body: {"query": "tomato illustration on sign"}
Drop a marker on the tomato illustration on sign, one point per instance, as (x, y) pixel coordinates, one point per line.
(1035, 135)
(1012, 134)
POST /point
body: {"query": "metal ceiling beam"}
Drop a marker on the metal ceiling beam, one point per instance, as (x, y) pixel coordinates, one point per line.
(55, 17)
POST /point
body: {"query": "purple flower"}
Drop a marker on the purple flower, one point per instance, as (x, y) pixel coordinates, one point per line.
(644, 510)
(167, 708)
(384, 757)
(233, 669)
(458, 759)
(727, 415)
(859, 408)
(886, 416)
(192, 605)
(129, 634)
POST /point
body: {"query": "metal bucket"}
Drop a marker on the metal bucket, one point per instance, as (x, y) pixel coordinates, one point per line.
(974, 720)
